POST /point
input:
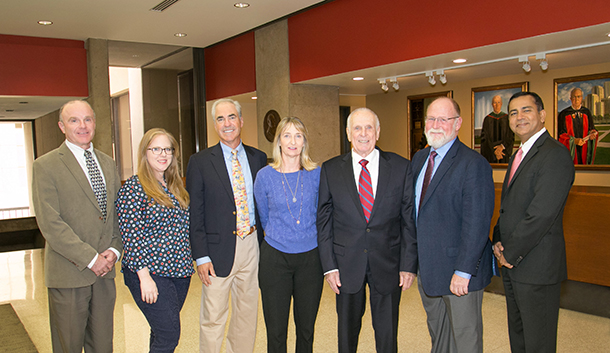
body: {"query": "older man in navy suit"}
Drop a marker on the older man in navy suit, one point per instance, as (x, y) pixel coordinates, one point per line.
(454, 202)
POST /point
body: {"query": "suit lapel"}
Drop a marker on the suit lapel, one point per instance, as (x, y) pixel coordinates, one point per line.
(218, 162)
(441, 171)
(347, 171)
(530, 154)
(67, 157)
(254, 165)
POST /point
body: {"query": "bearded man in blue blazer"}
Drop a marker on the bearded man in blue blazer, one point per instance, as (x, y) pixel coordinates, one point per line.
(454, 202)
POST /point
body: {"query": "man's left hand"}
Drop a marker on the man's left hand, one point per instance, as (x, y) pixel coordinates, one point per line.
(459, 285)
(406, 279)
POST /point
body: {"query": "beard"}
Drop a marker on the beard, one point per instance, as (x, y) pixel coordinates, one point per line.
(437, 138)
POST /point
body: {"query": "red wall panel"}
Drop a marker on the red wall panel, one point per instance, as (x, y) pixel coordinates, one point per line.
(230, 67)
(42, 67)
(347, 35)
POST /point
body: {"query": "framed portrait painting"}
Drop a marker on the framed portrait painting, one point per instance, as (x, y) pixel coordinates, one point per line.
(491, 133)
(582, 119)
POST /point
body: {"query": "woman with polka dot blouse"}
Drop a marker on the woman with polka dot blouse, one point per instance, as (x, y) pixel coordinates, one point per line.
(153, 212)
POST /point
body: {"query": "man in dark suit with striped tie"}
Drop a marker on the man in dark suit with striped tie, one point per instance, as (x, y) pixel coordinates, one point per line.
(366, 233)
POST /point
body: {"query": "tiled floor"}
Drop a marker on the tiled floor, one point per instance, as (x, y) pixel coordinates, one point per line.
(22, 285)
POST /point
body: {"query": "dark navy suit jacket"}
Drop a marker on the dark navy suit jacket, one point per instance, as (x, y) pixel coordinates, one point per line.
(454, 220)
(213, 223)
(348, 243)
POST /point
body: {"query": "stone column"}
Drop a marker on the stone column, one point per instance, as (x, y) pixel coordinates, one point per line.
(99, 93)
(316, 105)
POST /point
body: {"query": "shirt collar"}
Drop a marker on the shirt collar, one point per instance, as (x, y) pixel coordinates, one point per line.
(442, 151)
(226, 150)
(527, 145)
(370, 157)
(78, 149)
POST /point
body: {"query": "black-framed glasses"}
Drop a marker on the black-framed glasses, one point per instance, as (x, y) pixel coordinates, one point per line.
(159, 150)
(441, 119)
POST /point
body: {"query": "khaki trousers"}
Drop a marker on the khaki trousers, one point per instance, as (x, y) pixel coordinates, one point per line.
(242, 286)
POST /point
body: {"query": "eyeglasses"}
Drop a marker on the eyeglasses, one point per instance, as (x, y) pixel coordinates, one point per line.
(158, 150)
(441, 119)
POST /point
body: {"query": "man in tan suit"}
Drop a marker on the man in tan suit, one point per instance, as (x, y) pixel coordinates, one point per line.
(74, 188)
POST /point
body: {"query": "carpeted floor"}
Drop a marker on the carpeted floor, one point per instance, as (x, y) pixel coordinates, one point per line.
(13, 337)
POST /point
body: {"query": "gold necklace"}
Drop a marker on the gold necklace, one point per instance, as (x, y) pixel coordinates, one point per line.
(294, 198)
(296, 188)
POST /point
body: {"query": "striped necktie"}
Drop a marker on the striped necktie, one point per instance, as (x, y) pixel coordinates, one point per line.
(365, 189)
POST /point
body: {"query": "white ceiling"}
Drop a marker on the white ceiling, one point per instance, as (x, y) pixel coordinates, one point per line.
(142, 38)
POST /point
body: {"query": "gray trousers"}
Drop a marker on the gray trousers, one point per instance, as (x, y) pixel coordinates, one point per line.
(455, 323)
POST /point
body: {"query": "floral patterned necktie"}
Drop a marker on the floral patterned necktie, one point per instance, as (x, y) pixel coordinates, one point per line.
(241, 199)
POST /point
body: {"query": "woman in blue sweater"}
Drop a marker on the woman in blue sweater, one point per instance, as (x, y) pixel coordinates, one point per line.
(286, 193)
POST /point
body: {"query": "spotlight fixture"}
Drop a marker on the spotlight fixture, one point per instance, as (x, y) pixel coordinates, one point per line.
(431, 79)
(441, 76)
(544, 64)
(179, 35)
(384, 85)
(45, 23)
(526, 63)
(241, 5)
(358, 78)
(459, 61)
(394, 82)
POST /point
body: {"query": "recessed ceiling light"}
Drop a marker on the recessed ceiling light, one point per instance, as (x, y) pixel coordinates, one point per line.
(179, 35)
(241, 5)
(459, 61)
(254, 97)
(45, 23)
(135, 56)
(358, 78)
(23, 102)
(608, 34)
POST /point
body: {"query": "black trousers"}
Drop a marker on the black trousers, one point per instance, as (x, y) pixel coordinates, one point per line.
(533, 313)
(283, 277)
(384, 314)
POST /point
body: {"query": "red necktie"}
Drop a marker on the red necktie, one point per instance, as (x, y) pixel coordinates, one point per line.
(427, 177)
(365, 189)
(515, 164)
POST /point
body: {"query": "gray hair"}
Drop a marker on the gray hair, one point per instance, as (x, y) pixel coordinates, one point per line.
(226, 100)
(349, 118)
(63, 107)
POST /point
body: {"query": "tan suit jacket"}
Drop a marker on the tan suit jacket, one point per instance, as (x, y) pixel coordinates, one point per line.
(70, 219)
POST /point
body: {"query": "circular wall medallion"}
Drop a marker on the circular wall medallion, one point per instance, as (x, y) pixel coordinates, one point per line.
(272, 118)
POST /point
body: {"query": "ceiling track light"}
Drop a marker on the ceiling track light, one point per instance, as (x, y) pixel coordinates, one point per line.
(544, 64)
(441, 76)
(526, 63)
(384, 85)
(394, 82)
(431, 79)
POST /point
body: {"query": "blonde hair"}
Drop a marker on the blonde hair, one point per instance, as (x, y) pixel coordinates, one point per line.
(173, 179)
(306, 162)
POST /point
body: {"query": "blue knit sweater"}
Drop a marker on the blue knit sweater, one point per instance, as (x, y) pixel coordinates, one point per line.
(272, 198)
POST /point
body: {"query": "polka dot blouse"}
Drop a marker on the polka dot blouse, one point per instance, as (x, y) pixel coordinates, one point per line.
(154, 236)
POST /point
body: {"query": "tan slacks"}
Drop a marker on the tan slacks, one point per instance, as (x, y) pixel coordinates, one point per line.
(242, 286)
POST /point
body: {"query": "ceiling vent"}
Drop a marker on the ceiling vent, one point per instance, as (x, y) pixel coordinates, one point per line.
(162, 6)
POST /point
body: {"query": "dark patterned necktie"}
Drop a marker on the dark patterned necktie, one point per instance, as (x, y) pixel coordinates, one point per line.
(96, 182)
(427, 177)
(365, 189)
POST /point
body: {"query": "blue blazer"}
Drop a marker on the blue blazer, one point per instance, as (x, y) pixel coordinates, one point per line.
(213, 209)
(454, 220)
